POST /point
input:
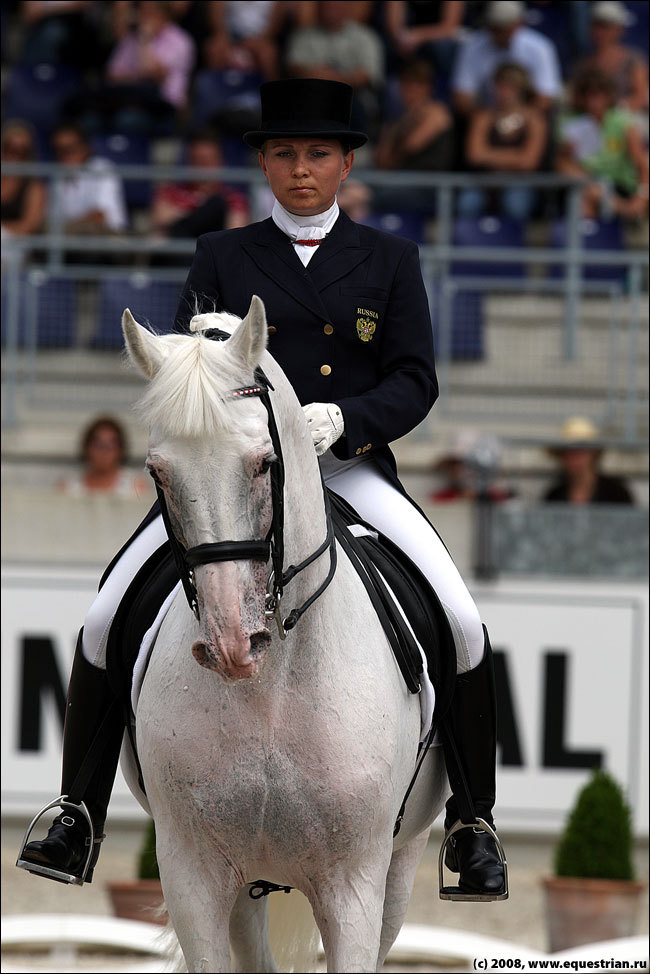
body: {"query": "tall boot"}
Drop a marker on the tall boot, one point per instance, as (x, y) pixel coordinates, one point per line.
(92, 739)
(470, 738)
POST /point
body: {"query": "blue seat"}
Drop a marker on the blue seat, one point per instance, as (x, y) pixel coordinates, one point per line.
(402, 222)
(47, 311)
(595, 235)
(488, 232)
(37, 94)
(230, 88)
(465, 343)
(127, 150)
(151, 302)
(636, 33)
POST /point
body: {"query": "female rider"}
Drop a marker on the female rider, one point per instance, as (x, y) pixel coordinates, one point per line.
(349, 324)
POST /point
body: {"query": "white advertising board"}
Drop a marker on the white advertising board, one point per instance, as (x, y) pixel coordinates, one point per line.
(572, 668)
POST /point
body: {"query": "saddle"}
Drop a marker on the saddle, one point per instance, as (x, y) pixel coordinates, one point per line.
(406, 604)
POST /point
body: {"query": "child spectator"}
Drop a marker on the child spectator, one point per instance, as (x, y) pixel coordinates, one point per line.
(504, 39)
(509, 137)
(24, 198)
(603, 143)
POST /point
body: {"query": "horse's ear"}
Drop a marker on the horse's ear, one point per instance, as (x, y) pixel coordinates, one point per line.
(144, 348)
(248, 340)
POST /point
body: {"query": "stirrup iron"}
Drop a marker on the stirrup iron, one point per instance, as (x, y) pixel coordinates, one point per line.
(59, 875)
(455, 892)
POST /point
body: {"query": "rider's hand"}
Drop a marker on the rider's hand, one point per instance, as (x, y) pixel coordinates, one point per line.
(325, 421)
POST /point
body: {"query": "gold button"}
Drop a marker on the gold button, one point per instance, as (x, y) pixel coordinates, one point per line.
(271, 329)
(325, 369)
(358, 451)
(329, 329)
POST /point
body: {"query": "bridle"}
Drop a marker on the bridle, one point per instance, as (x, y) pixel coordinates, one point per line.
(272, 546)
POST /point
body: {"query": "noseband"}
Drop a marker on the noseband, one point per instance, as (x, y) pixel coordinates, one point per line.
(272, 547)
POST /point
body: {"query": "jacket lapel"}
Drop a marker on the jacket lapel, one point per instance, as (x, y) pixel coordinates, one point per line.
(339, 254)
(273, 253)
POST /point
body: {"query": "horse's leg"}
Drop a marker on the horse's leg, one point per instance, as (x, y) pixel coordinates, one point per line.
(200, 899)
(249, 934)
(399, 886)
(348, 910)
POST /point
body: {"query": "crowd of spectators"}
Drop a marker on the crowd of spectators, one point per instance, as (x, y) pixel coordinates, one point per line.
(499, 87)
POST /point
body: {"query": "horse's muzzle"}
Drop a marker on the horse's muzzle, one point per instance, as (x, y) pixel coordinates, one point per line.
(238, 659)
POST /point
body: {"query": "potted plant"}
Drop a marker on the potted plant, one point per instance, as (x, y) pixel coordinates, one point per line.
(593, 895)
(142, 898)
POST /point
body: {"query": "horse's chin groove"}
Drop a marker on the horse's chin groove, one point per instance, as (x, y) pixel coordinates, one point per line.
(205, 656)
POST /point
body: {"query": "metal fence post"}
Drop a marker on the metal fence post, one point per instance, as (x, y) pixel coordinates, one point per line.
(13, 260)
(633, 330)
(573, 278)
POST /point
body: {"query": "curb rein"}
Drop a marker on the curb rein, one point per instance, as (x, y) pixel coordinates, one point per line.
(273, 545)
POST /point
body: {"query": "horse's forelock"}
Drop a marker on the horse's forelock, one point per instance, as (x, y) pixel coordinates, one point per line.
(189, 395)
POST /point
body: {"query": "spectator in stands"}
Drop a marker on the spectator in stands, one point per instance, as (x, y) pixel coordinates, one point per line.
(340, 48)
(147, 76)
(626, 67)
(468, 469)
(504, 39)
(192, 208)
(603, 143)
(508, 137)
(61, 33)
(422, 138)
(428, 30)
(578, 453)
(355, 199)
(244, 36)
(24, 198)
(90, 200)
(103, 457)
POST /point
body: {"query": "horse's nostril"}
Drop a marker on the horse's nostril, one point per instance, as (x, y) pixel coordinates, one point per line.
(260, 640)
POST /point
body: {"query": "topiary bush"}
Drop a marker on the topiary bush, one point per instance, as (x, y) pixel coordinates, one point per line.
(597, 839)
(147, 861)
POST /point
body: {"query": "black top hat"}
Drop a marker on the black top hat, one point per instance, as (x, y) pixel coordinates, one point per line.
(297, 107)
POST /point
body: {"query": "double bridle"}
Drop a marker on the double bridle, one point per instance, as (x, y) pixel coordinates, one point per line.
(272, 547)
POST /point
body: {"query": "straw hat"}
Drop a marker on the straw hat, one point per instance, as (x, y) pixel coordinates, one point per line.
(577, 433)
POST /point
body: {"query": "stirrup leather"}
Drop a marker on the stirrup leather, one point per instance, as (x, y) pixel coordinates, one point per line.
(60, 875)
(455, 892)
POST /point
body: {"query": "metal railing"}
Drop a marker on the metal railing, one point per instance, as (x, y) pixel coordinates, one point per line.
(620, 384)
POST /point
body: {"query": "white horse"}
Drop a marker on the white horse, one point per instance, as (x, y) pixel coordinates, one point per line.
(278, 759)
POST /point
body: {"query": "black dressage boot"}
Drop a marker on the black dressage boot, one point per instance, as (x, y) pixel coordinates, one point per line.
(470, 754)
(92, 739)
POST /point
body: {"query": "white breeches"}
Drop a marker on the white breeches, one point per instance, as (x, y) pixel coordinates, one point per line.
(366, 488)
(379, 502)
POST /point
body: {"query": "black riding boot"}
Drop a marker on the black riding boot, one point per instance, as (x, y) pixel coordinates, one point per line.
(470, 754)
(92, 739)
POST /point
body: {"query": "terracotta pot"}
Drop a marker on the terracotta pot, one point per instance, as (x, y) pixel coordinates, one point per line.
(584, 911)
(140, 899)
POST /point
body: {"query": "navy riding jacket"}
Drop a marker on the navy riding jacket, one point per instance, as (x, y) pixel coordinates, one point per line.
(352, 328)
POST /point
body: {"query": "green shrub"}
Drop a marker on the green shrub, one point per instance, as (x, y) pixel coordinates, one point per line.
(147, 862)
(597, 839)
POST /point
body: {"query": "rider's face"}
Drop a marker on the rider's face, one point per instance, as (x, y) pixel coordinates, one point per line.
(305, 174)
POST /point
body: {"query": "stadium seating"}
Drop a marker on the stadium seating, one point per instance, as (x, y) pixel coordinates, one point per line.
(47, 311)
(595, 235)
(488, 232)
(127, 150)
(232, 88)
(151, 302)
(465, 341)
(636, 34)
(37, 94)
(404, 223)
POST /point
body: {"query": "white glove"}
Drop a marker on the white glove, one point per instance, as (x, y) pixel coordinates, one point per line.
(325, 421)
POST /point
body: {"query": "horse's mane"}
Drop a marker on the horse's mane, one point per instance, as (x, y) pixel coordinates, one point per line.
(189, 395)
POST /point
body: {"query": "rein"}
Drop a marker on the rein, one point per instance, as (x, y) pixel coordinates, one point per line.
(273, 545)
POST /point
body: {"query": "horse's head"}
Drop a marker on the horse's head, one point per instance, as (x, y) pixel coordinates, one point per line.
(210, 454)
